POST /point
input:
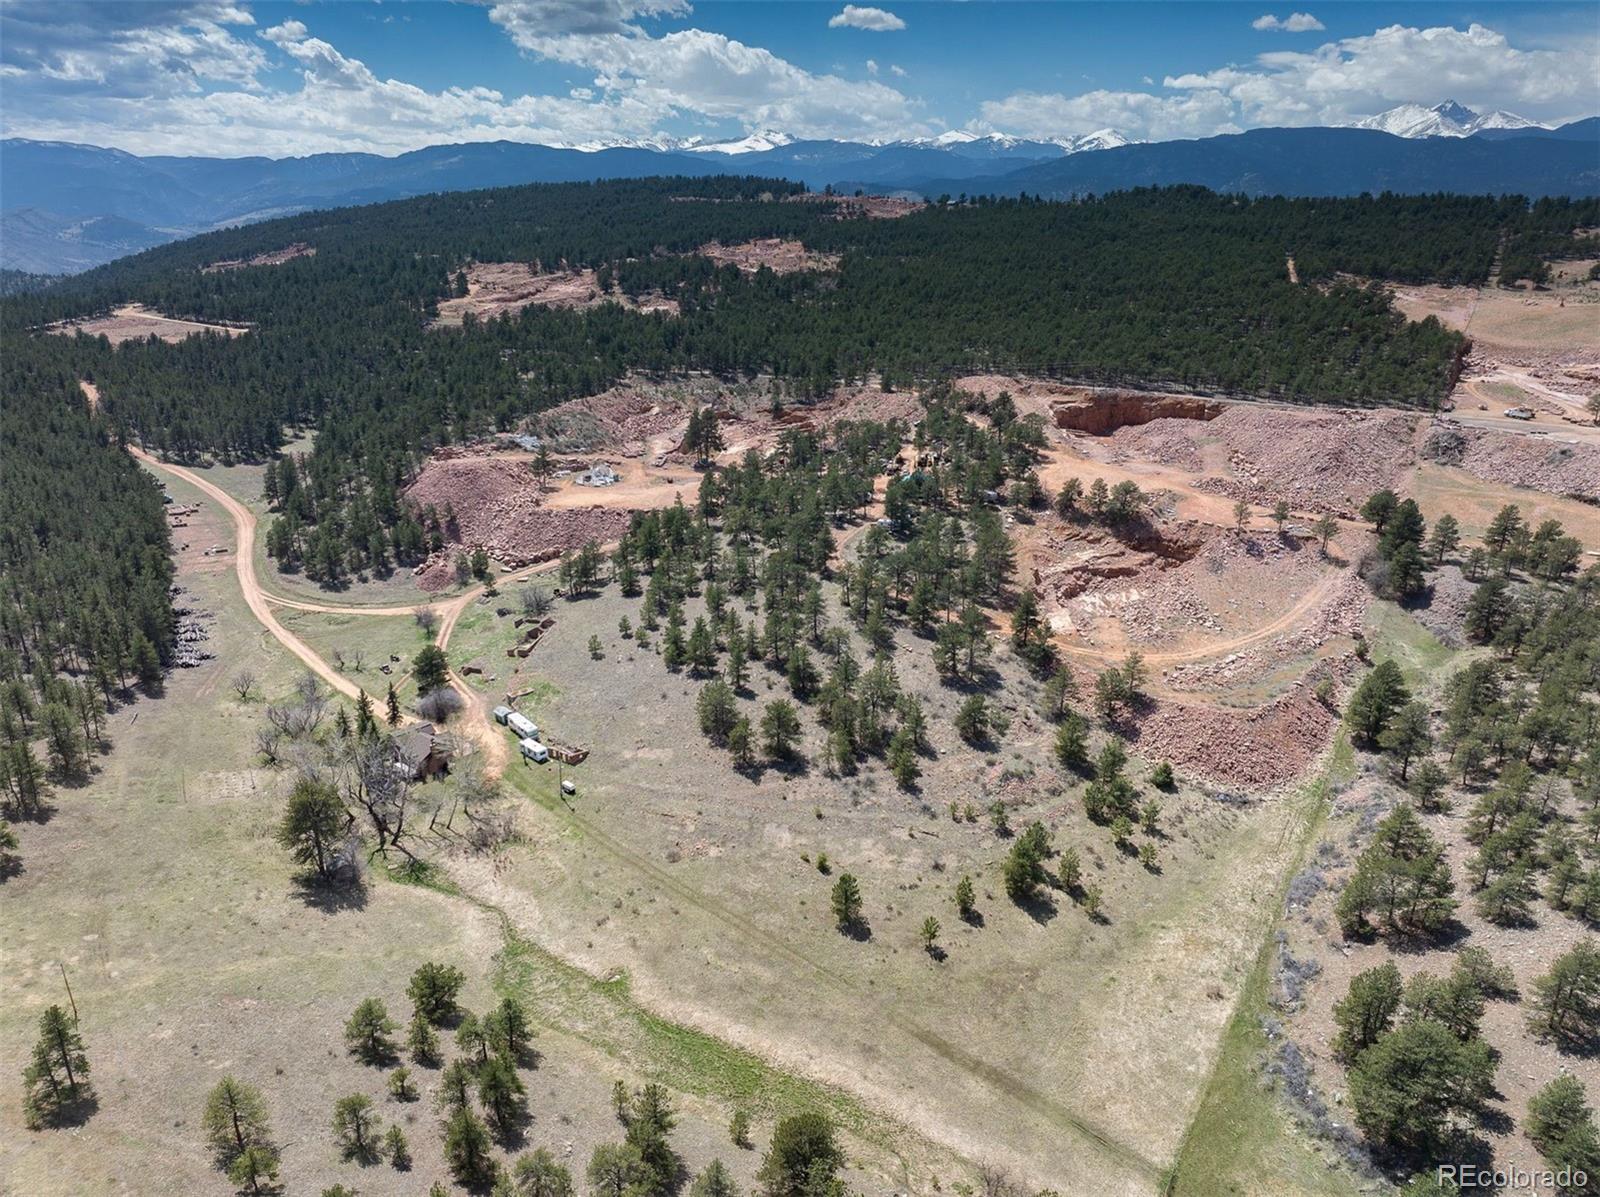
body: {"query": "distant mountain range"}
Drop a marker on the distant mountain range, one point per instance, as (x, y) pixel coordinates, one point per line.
(1448, 119)
(70, 207)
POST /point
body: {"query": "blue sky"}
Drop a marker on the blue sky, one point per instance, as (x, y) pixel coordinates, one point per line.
(234, 76)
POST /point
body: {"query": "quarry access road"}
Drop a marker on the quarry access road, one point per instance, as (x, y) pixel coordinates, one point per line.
(1307, 603)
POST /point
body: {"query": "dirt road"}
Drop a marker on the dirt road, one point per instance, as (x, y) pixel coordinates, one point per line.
(1216, 648)
(244, 526)
(261, 603)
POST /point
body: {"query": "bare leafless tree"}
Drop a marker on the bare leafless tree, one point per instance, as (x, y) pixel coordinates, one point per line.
(535, 600)
(243, 682)
(267, 743)
(372, 783)
(995, 1181)
(427, 619)
(283, 718)
(474, 785)
(358, 659)
(439, 706)
(338, 659)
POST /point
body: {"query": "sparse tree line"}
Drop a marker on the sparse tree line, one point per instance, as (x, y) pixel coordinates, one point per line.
(481, 1101)
(1517, 731)
(762, 536)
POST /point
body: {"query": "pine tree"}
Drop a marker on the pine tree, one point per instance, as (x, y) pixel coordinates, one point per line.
(368, 1031)
(355, 1127)
(966, 899)
(1367, 1011)
(312, 825)
(235, 1119)
(467, 1150)
(846, 902)
(508, 1028)
(421, 1040)
(56, 1080)
(396, 1148)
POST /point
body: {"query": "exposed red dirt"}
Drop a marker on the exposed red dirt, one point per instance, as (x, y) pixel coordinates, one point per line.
(1261, 748)
(275, 257)
(1318, 459)
(1552, 464)
(775, 253)
(1104, 411)
(496, 288)
(498, 506)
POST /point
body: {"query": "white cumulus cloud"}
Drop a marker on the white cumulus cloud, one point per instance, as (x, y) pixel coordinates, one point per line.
(708, 74)
(874, 20)
(1335, 84)
(1135, 113)
(1356, 76)
(1295, 22)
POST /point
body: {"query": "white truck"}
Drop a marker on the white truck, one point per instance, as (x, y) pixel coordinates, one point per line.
(534, 751)
(522, 725)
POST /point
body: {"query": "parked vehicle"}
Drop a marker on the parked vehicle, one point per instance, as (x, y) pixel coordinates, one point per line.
(502, 713)
(534, 751)
(522, 725)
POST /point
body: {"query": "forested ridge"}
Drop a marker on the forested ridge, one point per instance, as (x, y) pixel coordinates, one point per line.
(1175, 287)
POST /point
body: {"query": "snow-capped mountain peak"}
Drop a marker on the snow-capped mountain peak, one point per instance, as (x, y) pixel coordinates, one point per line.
(1499, 119)
(1448, 119)
(1452, 111)
(755, 143)
(1100, 139)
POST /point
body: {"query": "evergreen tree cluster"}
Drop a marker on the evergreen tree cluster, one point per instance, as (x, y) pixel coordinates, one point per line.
(85, 577)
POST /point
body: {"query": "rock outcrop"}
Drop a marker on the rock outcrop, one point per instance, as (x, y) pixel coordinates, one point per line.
(1103, 412)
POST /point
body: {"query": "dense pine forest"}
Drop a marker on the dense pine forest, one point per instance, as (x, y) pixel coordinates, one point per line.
(85, 574)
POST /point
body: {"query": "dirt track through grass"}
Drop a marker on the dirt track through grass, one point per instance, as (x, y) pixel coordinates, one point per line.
(1040, 1103)
(992, 1076)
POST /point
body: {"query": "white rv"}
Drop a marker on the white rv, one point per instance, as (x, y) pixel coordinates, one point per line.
(534, 751)
(522, 725)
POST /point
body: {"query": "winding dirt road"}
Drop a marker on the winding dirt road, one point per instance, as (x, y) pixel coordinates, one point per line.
(261, 603)
(244, 525)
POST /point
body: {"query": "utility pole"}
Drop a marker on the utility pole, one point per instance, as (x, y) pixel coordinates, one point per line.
(74, 1001)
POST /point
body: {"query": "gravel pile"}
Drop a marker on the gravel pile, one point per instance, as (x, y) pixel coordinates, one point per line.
(1260, 748)
(498, 506)
(1549, 463)
(1317, 460)
(622, 418)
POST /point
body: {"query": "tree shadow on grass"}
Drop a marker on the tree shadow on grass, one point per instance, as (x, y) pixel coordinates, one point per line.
(1449, 935)
(331, 897)
(74, 1111)
(857, 929)
(1040, 907)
